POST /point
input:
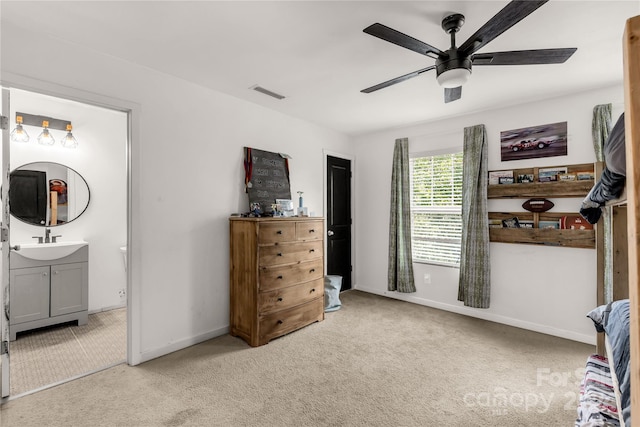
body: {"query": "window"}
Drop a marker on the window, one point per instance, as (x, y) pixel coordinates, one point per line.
(436, 208)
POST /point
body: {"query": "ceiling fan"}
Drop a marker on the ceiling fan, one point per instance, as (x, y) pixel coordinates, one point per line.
(453, 66)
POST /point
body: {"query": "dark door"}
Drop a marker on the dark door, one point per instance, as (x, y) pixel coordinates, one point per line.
(339, 219)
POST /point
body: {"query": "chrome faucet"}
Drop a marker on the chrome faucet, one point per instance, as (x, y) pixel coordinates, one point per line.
(48, 238)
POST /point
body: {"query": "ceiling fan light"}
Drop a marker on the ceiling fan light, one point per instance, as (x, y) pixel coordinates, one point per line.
(454, 78)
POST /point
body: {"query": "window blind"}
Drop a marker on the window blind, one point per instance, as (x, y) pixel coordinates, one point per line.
(436, 203)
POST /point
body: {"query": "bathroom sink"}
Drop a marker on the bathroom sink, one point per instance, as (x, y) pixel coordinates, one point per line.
(49, 251)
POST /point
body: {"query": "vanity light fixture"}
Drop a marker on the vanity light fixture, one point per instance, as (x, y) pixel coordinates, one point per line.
(69, 141)
(45, 138)
(19, 134)
(47, 124)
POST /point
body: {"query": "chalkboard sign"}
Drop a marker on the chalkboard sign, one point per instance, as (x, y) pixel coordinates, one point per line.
(266, 177)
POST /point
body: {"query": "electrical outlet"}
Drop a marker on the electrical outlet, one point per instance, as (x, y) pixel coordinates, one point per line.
(427, 278)
(122, 293)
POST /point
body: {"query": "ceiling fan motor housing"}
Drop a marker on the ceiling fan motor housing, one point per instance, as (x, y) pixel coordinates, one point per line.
(451, 61)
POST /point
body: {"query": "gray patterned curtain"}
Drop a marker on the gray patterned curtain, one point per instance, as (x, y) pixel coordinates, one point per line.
(400, 272)
(474, 287)
(600, 129)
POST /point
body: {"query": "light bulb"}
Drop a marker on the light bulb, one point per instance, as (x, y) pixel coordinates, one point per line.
(69, 141)
(19, 134)
(45, 138)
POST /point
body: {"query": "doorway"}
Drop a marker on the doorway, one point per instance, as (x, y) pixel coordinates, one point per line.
(339, 222)
(63, 351)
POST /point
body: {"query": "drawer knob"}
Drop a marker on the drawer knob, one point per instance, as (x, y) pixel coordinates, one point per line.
(279, 232)
(280, 322)
(313, 290)
(311, 250)
(312, 270)
(312, 231)
(279, 253)
(279, 277)
(280, 299)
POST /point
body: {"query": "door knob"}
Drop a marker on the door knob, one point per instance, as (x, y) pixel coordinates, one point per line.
(330, 233)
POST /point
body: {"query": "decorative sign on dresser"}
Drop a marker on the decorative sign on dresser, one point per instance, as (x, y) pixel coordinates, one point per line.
(276, 276)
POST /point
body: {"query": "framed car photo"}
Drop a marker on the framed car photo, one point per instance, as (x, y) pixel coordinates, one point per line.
(533, 142)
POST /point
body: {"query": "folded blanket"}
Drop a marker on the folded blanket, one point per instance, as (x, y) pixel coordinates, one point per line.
(597, 405)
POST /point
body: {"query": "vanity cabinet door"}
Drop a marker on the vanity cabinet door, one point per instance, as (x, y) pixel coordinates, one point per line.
(29, 294)
(68, 288)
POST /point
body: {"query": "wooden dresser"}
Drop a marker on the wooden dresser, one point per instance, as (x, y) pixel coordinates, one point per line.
(276, 276)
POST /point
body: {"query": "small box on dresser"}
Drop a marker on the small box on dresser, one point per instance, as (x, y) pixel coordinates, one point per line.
(276, 276)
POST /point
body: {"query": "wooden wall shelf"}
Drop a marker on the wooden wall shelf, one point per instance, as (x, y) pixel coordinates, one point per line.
(544, 189)
(540, 189)
(554, 189)
(545, 236)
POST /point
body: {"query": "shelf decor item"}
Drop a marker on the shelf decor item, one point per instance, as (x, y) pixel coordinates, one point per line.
(495, 176)
(551, 174)
(266, 177)
(511, 222)
(537, 205)
(525, 178)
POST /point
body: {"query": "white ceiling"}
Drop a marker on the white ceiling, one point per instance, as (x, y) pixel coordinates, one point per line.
(315, 53)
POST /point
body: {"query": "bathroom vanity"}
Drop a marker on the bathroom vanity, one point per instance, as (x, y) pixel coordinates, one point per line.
(49, 290)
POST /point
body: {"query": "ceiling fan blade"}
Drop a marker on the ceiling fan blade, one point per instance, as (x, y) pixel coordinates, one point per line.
(396, 37)
(524, 57)
(396, 80)
(452, 94)
(510, 15)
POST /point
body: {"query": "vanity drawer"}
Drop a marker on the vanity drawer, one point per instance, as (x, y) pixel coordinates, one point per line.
(288, 253)
(279, 299)
(285, 321)
(287, 275)
(309, 230)
(276, 231)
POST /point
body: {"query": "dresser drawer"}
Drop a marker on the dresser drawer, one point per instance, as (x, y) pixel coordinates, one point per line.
(291, 296)
(287, 275)
(285, 321)
(309, 230)
(276, 231)
(287, 253)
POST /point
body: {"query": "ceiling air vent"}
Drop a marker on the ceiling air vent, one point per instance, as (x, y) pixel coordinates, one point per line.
(267, 92)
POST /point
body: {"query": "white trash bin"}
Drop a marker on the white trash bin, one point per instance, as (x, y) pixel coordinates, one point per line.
(332, 285)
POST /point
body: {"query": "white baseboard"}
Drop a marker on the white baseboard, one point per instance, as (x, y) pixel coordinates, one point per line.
(147, 355)
(482, 314)
(113, 307)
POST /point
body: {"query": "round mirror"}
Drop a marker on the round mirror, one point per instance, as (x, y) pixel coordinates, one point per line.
(47, 194)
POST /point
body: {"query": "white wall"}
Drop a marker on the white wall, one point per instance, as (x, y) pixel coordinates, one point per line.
(547, 289)
(187, 177)
(101, 159)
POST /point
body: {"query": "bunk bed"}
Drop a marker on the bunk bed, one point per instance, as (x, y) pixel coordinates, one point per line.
(610, 391)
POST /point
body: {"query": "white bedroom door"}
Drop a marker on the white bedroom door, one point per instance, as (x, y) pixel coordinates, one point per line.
(4, 261)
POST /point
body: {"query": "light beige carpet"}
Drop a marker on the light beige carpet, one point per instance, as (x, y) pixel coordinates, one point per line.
(49, 355)
(374, 362)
